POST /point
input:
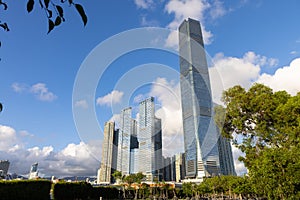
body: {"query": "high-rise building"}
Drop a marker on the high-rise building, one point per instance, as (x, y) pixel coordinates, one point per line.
(150, 141)
(134, 149)
(33, 174)
(109, 153)
(201, 138)
(4, 165)
(179, 167)
(124, 141)
(226, 158)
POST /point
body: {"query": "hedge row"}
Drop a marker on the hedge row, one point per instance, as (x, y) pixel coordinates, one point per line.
(83, 191)
(25, 189)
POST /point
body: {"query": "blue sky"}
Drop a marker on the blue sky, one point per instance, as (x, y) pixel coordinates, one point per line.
(247, 41)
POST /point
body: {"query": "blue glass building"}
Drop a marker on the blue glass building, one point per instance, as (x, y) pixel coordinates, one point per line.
(202, 141)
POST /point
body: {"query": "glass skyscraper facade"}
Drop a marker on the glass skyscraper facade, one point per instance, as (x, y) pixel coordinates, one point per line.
(125, 131)
(150, 140)
(201, 138)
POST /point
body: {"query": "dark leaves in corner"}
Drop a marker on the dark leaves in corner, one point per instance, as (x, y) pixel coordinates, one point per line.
(60, 11)
(81, 12)
(4, 5)
(30, 5)
(46, 3)
(57, 21)
(4, 26)
(51, 25)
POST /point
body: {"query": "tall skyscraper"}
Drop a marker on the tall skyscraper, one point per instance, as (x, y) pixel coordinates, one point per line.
(33, 174)
(150, 140)
(201, 138)
(124, 141)
(179, 166)
(109, 153)
(4, 165)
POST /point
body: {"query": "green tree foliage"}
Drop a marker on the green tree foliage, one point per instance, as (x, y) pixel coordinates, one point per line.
(265, 125)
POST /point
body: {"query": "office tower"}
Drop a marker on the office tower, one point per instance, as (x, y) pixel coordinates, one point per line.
(226, 159)
(109, 153)
(134, 145)
(33, 174)
(200, 133)
(125, 131)
(4, 165)
(179, 167)
(150, 141)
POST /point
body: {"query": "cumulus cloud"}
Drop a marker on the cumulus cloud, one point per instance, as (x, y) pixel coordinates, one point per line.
(240, 168)
(217, 9)
(74, 159)
(39, 90)
(19, 87)
(196, 9)
(42, 93)
(285, 78)
(167, 94)
(8, 138)
(112, 98)
(227, 72)
(81, 104)
(260, 60)
(144, 4)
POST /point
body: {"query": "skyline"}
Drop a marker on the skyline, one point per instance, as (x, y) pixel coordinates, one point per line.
(40, 70)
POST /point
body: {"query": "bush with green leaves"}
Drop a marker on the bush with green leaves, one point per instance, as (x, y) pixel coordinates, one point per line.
(25, 189)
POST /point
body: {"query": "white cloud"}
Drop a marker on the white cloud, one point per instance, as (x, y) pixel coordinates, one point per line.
(39, 90)
(239, 166)
(144, 4)
(230, 71)
(195, 9)
(167, 94)
(138, 98)
(285, 78)
(112, 98)
(75, 159)
(42, 92)
(81, 104)
(8, 138)
(293, 52)
(260, 60)
(217, 9)
(19, 87)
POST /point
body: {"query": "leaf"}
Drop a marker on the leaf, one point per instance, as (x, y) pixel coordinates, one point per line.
(30, 5)
(70, 2)
(4, 5)
(1, 107)
(46, 3)
(4, 26)
(49, 13)
(41, 4)
(51, 25)
(60, 11)
(80, 10)
(57, 21)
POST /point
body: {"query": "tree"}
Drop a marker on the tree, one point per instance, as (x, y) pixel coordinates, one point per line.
(265, 125)
(135, 178)
(54, 11)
